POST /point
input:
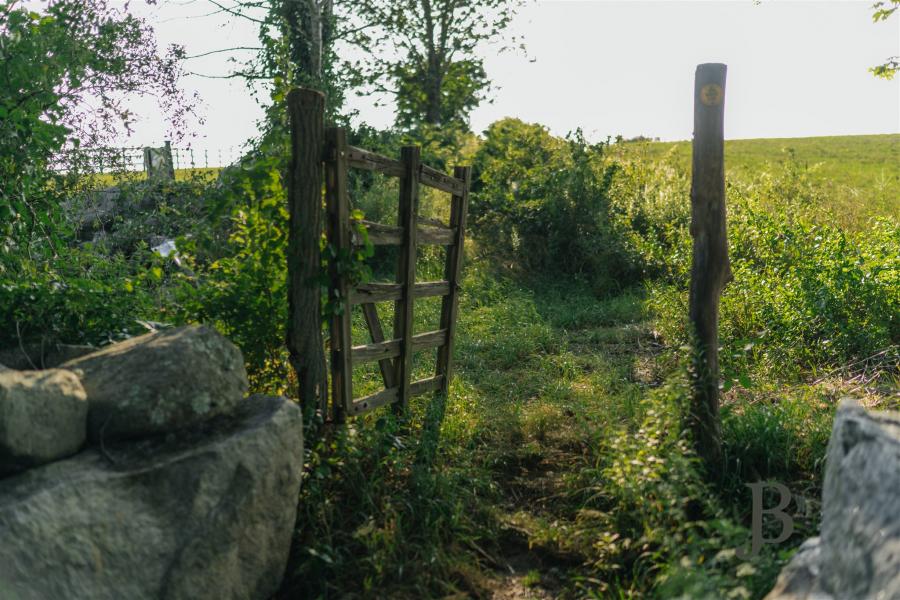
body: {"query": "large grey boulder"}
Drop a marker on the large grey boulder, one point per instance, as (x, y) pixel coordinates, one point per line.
(857, 555)
(43, 417)
(159, 382)
(207, 513)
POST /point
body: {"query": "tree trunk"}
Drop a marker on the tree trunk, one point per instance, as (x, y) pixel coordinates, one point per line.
(710, 270)
(304, 332)
(433, 83)
(315, 39)
(305, 31)
(433, 78)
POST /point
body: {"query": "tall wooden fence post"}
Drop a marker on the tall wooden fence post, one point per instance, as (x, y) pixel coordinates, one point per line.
(304, 333)
(710, 270)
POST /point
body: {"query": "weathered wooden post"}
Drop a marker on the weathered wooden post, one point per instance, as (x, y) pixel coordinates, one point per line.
(304, 186)
(710, 270)
(158, 163)
(169, 164)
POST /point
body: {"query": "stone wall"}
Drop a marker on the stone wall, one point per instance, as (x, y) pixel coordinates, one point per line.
(142, 471)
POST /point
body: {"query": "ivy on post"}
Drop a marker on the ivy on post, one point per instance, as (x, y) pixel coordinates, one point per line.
(306, 109)
(710, 269)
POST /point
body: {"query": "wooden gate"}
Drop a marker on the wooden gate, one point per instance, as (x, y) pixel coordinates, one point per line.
(394, 356)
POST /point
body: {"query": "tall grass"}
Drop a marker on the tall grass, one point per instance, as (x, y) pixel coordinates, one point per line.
(807, 294)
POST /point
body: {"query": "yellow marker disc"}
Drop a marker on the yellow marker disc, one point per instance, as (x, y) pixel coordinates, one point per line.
(711, 94)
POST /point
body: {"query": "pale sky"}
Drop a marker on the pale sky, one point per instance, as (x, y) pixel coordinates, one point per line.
(795, 69)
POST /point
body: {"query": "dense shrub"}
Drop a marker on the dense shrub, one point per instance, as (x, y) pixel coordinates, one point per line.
(144, 212)
(236, 275)
(66, 68)
(653, 212)
(806, 294)
(544, 203)
(77, 296)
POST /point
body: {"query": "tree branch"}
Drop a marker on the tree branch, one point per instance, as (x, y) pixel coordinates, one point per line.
(222, 50)
(236, 13)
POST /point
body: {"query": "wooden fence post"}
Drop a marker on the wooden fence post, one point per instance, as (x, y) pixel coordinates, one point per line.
(304, 332)
(710, 270)
(408, 218)
(169, 166)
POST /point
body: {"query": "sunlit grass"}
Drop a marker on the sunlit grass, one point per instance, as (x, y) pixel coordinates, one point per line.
(860, 173)
(201, 174)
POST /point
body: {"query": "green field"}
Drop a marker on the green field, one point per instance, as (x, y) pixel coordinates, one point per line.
(102, 180)
(860, 173)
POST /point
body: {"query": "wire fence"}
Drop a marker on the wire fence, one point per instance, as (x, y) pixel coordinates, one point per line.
(130, 159)
(189, 158)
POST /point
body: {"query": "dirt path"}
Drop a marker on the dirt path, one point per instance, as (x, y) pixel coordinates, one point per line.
(536, 559)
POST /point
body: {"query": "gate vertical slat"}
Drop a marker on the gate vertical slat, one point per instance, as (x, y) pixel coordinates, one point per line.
(338, 206)
(408, 218)
(459, 205)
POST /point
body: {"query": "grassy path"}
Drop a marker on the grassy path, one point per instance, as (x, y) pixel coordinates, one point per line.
(555, 469)
(483, 496)
(542, 450)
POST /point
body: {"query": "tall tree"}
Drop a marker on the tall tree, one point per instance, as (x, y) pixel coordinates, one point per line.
(423, 52)
(308, 25)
